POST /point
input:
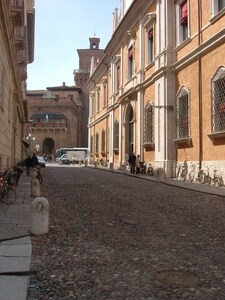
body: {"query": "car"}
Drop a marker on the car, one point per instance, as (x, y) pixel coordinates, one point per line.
(64, 160)
(41, 161)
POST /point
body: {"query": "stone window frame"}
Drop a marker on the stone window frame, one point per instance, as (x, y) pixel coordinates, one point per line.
(103, 142)
(180, 39)
(149, 125)
(218, 107)
(149, 24)
(116, 136)
(183, 115)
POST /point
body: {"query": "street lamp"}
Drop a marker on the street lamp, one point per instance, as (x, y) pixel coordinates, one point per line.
(30, 139)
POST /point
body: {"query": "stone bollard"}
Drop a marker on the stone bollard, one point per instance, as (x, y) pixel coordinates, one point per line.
(160, 175)
(39, 215)
(96, 164)
(35, 188)
(80, 162)
(86, 163)
(111, 166)
(124, 168)
(34, 174)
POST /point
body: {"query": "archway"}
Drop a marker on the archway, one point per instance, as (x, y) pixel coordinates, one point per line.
(129, 130)
(48, 146)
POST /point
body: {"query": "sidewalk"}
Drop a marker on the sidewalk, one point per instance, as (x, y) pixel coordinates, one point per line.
(15, 243)
(203, 188)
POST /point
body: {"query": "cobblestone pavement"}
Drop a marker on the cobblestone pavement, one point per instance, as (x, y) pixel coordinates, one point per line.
(113, 236)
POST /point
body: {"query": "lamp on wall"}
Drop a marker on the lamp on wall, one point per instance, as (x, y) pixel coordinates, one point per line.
(30, 139)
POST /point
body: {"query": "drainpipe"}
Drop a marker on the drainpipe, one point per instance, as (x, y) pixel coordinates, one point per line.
(200, 86)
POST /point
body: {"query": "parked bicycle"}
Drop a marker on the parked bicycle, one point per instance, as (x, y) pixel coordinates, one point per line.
(216, 180)
(7, 189)
(182, 171)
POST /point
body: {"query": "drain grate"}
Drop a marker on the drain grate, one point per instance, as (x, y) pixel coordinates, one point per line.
(33, 289)
(177, 278)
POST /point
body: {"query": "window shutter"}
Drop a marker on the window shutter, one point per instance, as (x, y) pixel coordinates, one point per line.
(184, 13)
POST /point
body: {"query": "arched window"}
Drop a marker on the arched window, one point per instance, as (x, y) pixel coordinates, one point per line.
(116, 136)
(218, 100)
(183, 114)
(149, 124)
(103, 141)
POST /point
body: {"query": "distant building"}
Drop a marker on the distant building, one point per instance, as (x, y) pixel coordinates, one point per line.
(59, 115)
(55, 118)
(17, 19)
(159, 90)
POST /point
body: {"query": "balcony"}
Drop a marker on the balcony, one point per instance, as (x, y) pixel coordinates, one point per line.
(20, 37)
(23, 72)
(17, 11)
(21, 57)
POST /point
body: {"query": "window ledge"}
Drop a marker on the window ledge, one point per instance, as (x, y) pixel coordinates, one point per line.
(149, 65)
(116, 150)
(217, 16)
(149, 145)
(216, 135)
(182, 44)
(183, 141)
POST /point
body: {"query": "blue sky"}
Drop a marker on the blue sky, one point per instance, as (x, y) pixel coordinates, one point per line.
(62, 27)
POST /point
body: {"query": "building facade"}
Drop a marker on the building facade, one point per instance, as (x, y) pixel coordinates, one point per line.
(159, 90)
(58, 116)
(55, 117)
(16, 51)
(87, 57)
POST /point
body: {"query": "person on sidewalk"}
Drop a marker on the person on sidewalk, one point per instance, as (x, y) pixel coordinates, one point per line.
(28, 163)
(35, 162)
(138, 164)
(131, 161)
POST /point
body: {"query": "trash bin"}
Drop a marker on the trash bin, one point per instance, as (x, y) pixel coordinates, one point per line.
(160, 174)
(39, 215)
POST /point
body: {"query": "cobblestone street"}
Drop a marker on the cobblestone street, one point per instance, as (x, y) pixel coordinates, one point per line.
(113, 236)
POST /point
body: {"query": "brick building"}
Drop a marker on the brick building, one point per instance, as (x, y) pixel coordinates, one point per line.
(55, 118)
(159, 90)
(17, 20)
(59, 115)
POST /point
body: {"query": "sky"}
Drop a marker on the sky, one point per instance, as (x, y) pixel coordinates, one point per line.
(62, 27)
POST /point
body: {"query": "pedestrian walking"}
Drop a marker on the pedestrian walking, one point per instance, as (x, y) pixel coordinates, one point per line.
(35, 162)
(131, 161)
(28, 163)
(137, 164)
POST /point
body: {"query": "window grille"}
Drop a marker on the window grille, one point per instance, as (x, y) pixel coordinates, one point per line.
(149, 124)
(96, 143)
(221, 4)
(183, 115)
(103, 141)
(116, 135)
(218, 101)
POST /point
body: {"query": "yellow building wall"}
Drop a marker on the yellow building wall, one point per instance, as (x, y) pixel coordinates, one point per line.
(210, 64)
(188, 77)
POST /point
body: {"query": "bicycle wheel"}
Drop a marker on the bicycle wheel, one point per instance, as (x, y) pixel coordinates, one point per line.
(207, 179)
(217, 181)
(9, 196)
